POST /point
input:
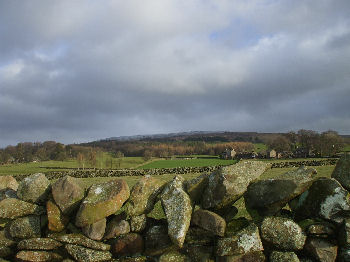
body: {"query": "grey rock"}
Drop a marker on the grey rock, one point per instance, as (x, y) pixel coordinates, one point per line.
(38, 244)
(282, 233)
(178, 209)
(195, 187)
(81, 240)
(83, 254)
(279, 256)
(341, 171)
(8, 182)
(34, 188)
(96, 230)
(321, 249)
(173, 256)
(116, 227)
(229, 183)
(325, 199)
(210, 221)
(14, 208)
(101, 201)
(25, 227)
(138, 223)
(271, 195)
(245, 241)
(7, 193)
(143, 196)
(67, 193)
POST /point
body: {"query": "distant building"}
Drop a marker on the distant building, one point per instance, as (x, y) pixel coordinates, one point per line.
(228, 154)
(271, 153)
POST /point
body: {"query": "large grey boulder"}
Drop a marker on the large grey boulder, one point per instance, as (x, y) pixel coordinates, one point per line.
(282, 233)
(178, 209)
(25, 227)
(67, 193)
(325, 199)
(83, 254)
(341, 171)
(14, 208)
(101, 201)
(229, 183)
(210, 221)
(34, 188)
(143, 196)
(243, 242)
(271, 195)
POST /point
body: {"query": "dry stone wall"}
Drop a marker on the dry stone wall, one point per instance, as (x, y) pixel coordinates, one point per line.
(111, 222)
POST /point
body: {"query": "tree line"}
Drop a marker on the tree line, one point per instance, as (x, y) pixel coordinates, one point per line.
(305, 143)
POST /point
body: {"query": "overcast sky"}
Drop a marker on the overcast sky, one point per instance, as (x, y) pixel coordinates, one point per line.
(75, 71)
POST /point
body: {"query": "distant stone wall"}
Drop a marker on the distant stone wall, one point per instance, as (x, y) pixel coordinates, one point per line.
(41, 221)
(323, 162)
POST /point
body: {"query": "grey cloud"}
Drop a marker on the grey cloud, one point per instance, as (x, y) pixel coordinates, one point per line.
(76, 71)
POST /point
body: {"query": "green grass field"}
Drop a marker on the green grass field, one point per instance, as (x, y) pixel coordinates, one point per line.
(197, 162)
(260, 147)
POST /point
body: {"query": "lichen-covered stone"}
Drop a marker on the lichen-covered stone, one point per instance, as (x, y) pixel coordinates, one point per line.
(81, 240)
(199, 253)
(116, 227)
(279, 256)
(6, 240)
(195, 187)
(56, 220)
(101, 201)
(7, 193)
(8, 182)
(256, 256)
(127, 245)
(321, 249)
(321, 229)
(229, 183)
(34, 188)
(282, 233)
(245, 241)
(132, 259)
(271, 195)
(157, 241)
(138, 223)
(38, 256)
(67, 193)
(178, 209)
(13, 208)
(210, 221)
(25, 227)
(199, 237)
(341, 171)
(173, 256)
(143, 196)
(5, 252)
(83, 254)
(96, 230)
(325, 199)
(38, 244)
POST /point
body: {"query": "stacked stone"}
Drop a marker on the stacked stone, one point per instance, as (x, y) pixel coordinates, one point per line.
(109, 222)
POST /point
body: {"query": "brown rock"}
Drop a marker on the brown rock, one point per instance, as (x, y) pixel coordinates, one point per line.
(67, 194)
(56, 220)
(39, 244)
(38, 256)
(25, 227)
(96, 230)
(257, 256)
(157, 241)
(321, 249)
(116, 227)
(102, 200)
(209, 221)
(126, 245)
(195, 187)
(6, 240)
(5, 252)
